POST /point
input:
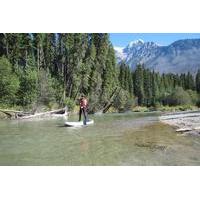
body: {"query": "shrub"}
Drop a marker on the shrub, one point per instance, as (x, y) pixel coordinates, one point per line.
(194, 96)
(178, 97)
(140, 109)
(28, 90)
(198, 104)
(70, 104)
(124, 102)
(9, 83)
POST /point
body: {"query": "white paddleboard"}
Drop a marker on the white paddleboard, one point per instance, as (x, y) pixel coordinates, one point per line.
(76, 124)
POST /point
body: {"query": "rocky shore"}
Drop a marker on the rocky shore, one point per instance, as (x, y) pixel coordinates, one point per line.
(14, 114)
(184, 122)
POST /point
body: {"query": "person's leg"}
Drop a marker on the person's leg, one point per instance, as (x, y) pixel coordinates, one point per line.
(85, 116)
(80, 112)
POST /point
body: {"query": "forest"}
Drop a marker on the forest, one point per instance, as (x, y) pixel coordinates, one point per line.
(54, 69)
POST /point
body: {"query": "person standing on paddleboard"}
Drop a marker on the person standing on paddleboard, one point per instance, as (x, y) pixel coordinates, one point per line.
(83, 108)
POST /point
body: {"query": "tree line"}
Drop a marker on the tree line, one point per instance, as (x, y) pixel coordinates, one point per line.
(42, 68)
(53, 69)
(151, 88)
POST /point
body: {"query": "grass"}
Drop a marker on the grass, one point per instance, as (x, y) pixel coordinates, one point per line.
(177, 108)
(140, 109)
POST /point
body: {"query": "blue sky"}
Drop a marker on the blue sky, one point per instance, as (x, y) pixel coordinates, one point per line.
(122, 39)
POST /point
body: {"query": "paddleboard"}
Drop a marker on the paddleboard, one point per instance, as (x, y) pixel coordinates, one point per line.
(81, 123)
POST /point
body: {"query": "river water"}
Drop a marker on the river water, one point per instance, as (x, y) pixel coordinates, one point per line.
(114, 139)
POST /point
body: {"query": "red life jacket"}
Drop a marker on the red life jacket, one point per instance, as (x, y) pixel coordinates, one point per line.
(83, 103)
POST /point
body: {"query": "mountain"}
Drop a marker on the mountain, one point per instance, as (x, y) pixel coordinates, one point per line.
(182, 56)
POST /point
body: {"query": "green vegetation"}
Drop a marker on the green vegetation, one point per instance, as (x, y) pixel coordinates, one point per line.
(153, 91)
(9, 83)
(177, 97)
(52, 70)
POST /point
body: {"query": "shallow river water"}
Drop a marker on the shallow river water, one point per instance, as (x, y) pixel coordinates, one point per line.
(114, 139)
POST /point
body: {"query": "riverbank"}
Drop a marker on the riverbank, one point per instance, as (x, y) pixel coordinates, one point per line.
(183, 122)
(141, 109)
(165, 108)
(21, 115)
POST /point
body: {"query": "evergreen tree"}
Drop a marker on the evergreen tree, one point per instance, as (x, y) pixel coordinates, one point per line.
(12, 44)
(109, 80)
(183, 81)
(59, 67)
(130, 81)
(198, 81)
(154, 88)
(9, 83)
(28, 89)
(50, 52)
(38, 48)
(139, 84)
(147, 87)
(101, 42)
(90, 61)
(189, 82)
(2, 45)
(123, 75)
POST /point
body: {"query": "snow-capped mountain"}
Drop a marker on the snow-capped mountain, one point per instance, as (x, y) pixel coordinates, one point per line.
(119, 53)
(179, 57)
(136, 52)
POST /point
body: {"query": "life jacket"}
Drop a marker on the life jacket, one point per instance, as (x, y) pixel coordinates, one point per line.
(83, 103)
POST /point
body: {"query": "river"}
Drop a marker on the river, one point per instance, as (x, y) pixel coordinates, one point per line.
(114, 139)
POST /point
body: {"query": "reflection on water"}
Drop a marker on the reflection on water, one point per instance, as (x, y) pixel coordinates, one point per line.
(114, 139)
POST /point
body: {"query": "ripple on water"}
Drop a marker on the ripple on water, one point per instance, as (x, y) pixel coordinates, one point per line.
(121, 139)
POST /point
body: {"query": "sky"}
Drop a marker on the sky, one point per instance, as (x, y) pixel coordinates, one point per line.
(123, 39)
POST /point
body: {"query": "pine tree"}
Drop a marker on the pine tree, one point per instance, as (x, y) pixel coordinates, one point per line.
(38, 46)
(198, 81)
(130, 81)
(189, 81)
(50, 52)
(101, 42)
(109, 79)
(12, 47)
(2, 45)
(139, 84)
(60, 67)
(122, 75)
(81, 71)
(147, 87)
(66, 43)
(9, 83)
(25, 49)
(183, 81)
(91, 62)
(154, 88)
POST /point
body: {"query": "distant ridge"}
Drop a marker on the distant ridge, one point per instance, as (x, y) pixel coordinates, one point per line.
(181, 56)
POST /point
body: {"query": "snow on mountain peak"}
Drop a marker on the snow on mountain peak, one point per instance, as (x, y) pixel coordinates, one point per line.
(136, 49)
(135, 42)
(119, 49)
(120, 53)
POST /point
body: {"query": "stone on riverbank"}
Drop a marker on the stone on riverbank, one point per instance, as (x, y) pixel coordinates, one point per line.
(183, 122)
